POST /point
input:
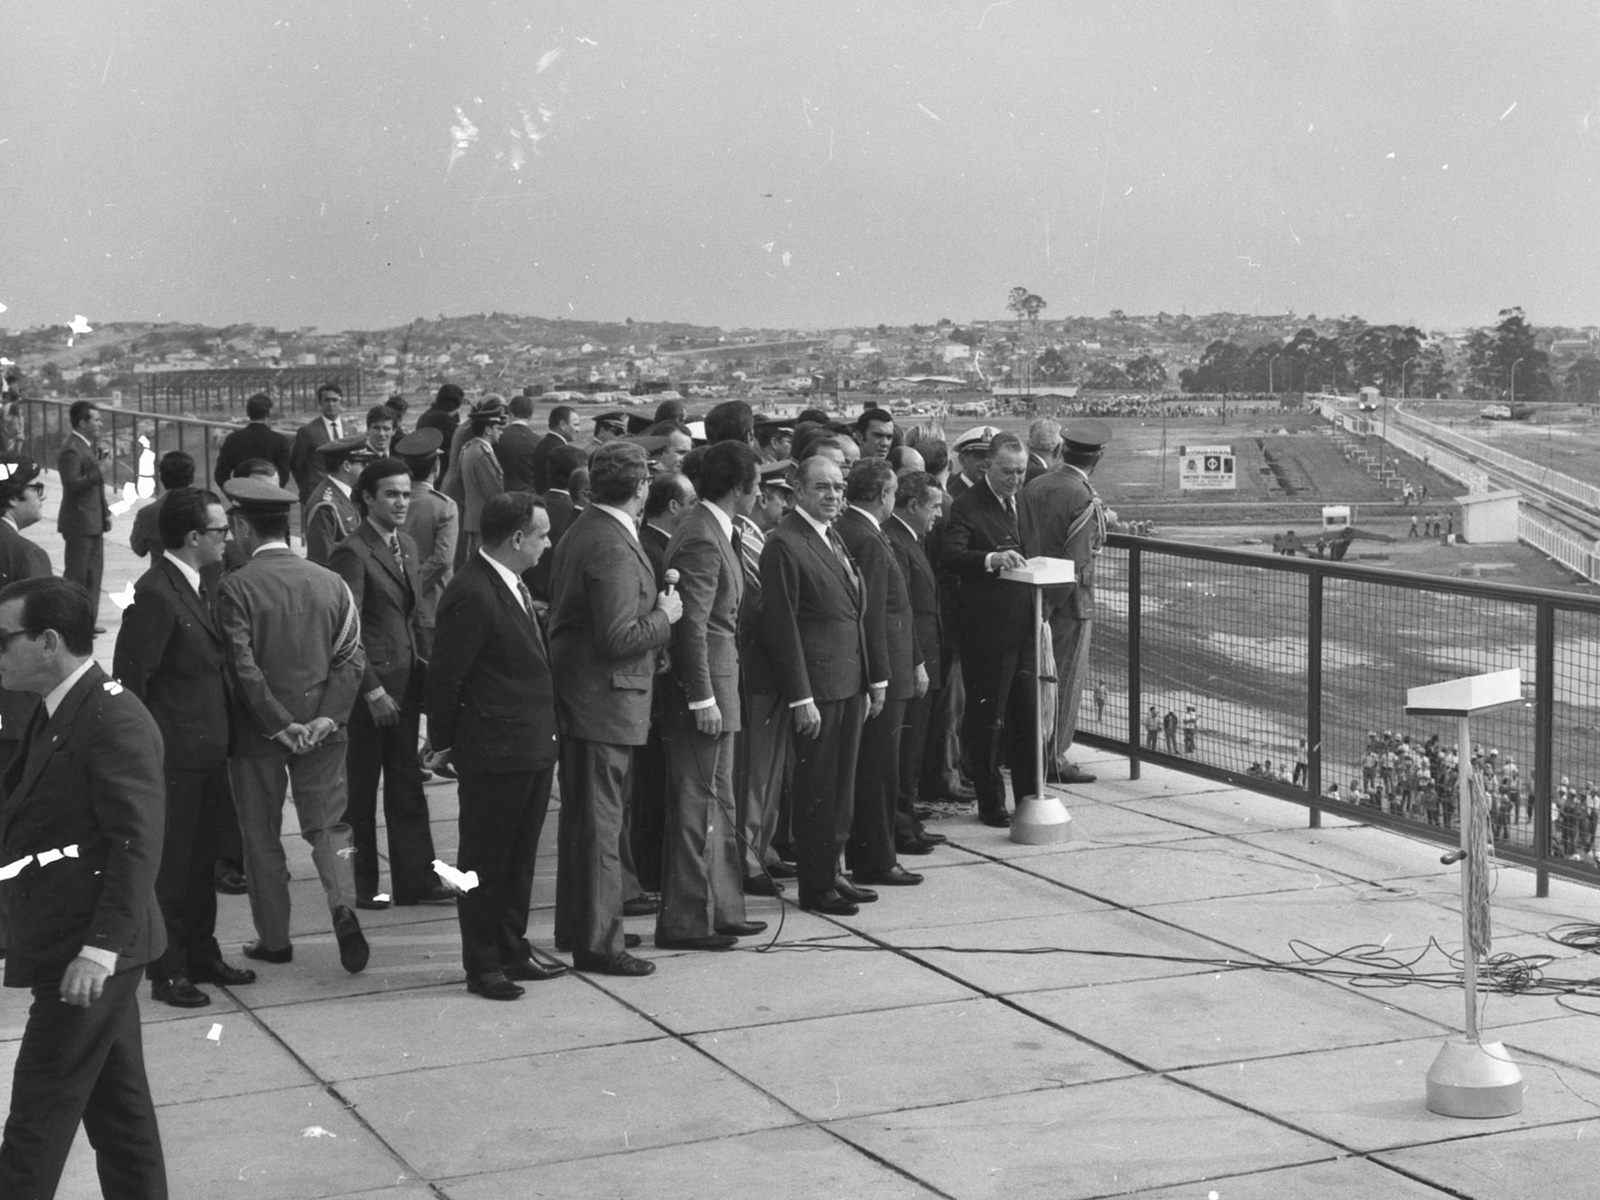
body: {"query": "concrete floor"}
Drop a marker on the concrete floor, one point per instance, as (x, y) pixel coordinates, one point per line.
(1079, 1020)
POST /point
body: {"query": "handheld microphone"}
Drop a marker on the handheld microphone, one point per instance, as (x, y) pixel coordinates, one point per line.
(672, 579)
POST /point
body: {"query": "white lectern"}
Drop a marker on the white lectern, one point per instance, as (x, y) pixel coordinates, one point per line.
(1040, 819)
(1470, 1077)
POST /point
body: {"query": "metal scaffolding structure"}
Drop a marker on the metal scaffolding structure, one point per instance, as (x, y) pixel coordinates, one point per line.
(293, 389)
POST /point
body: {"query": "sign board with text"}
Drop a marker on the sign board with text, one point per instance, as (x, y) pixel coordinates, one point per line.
(1206, 468)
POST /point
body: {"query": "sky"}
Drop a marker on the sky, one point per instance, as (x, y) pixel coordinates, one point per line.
(355, 164)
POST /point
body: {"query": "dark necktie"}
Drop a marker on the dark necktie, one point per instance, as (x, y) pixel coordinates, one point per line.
(527, 600)
(841, 554)
(399, 555)
(747, 544)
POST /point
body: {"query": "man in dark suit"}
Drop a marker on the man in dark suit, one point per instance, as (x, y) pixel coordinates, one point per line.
(84, 518)
(170, 655)
(175, 470)
(561, 507)
(606, 623)
(256, 440)
(984, 535)
(80, 834)
(1044, 439)
(443, 415)
(812, 621)
(491, 713)
(894, 668)
(702, 897)
(563, 423)
(295, 664)
(309, 470)
(1071, 523)
(919, 502)
(378, 563)
(21, 504)
(517, 444)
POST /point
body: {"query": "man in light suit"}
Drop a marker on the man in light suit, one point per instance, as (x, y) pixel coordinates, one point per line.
(331, 516)
(378, 563)
(295, 664)
(88, 781)
(476, 475)
(606, 623)
(432, 521)
(491, 713)
(702, 895)
(170, 654)
(21, 504)
(85, 517)
(812, 625)
(308, 470)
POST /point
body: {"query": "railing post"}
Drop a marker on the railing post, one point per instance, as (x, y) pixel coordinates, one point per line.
(1544, 696)
(1314, 693)
(1135, 703)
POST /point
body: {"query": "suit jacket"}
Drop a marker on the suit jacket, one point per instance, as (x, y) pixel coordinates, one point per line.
(923, 587)
(604, 631)
(811, 616)
(1037, 466)
(431, 522)
(559, 508)
(757, 674)
(328, 519)
(171, 655)
(19, 559)
(539, 463)
(705, 641)
(489, 695)
(655, 542)
(515, 451)
(145, 538)
(892, 653)
(445, 423)
(294, 647)
(306, 466)
(83, 512)
(386, 598)
(991, 613)
(255, 440)
(91, 778)
(1057, 502)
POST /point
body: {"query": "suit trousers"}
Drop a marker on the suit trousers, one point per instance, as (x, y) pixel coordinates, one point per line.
(84, 561)
(877, 788)
(390, 750)
(1069, 642)
(501, 817)
(913, 746)
(999, 723)
(647, 810)
(824, 791)
(594, 796)
(185, 885)
(701, 883)
(259, 782)
(763, 757)
(83, 1064)
(942, 763)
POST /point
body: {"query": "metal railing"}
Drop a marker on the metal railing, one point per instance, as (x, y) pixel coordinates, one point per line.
(45, 427)
(1295, 667)
(1559, 542)
(1576, 490)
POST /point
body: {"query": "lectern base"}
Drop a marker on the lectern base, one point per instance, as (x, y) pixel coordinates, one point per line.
(1472, 1079)
(1041, 821)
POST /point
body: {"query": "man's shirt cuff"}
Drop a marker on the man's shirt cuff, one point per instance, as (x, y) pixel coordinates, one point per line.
(100, 958)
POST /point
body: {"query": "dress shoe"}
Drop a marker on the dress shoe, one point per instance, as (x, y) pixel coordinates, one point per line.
(786, 853)
(853, 893)
(536, 971)
(216, 971)
(631, 941)
(494, 986)
(622, 964)
(782, 870)
(229, 879)
(439, 767)
(960, 791)
(371, 902)
(711, 941)
(933, 839)
(260, 953)
(353, 952)
(1067, 773)
(435, 894)
(999, 820)
(913, 846)
(762, 885)
(178, 992)
(895, 876)
(830, 904)
(741, 929)
(641, 906)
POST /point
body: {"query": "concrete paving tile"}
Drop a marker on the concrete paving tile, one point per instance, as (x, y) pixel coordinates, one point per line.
(520, 1112)
(692, 992)
(1447, 1007)
(257, 1148)
(1222, 1017)
(1368, 1098)
(985, 955)
(1095, 1140)
(840, 1067)
(1093, 823)
(1567, 1042)
(799, 1163)
(1362, 852)
(1218, 810)
(14, 1004)
(1339, 1179)
(403, 957)
(355, 1037)
(977, 892)
(1525, 1164)
(1193, 869)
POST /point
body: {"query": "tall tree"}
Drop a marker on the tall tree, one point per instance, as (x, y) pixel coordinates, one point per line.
(1510, 346)
(1145, 371)
(1582, 380)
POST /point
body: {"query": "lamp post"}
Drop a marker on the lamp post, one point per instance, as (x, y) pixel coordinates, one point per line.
(1403, 366)
(1270, 362)
(1513, 382)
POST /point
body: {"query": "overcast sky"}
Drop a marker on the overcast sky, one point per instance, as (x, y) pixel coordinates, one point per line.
(360, 163)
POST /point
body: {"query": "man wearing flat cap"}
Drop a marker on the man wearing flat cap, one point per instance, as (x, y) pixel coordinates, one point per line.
(1070, 522)
(331, 515)
(610, 425)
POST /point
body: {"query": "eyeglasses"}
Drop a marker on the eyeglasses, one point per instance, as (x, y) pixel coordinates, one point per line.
(222, 529)
(11, 635)
(36, 488)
